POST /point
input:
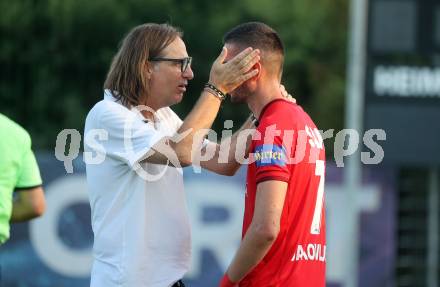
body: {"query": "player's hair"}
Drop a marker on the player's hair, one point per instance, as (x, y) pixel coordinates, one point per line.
(259, 36)
(127, 76)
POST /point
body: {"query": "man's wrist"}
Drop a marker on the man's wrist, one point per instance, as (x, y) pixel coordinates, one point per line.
(215, 91)
(218, 85)
(254, 120)
(226, 282)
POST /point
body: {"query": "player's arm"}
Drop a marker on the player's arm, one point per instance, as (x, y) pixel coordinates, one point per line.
(29, 200)
(28, 204)
(261, 233)
(228, 164)
(226, 77)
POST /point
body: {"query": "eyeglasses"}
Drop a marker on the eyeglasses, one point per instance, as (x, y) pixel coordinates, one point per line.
(184, 62)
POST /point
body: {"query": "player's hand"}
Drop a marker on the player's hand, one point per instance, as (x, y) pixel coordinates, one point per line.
(286, 95)
(228, 76)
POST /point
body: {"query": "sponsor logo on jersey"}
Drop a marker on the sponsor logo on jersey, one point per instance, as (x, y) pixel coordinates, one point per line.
(268, 154)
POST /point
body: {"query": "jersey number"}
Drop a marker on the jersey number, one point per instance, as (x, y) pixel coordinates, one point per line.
(316, 222)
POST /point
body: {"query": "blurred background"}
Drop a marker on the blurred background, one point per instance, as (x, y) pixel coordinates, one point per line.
(351, 64)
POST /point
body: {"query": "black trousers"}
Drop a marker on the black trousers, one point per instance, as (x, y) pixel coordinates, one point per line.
(178, 284)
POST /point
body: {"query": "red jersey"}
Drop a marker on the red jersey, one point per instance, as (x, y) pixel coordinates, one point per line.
(290, 149)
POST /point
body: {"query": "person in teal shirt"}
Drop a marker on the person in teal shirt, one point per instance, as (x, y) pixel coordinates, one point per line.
(18, 172)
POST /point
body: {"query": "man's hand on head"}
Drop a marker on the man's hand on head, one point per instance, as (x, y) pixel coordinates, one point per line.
(227, 76)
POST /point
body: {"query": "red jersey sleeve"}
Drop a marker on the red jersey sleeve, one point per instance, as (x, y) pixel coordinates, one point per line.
(271, 154)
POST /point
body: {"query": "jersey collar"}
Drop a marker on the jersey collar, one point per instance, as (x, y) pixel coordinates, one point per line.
(268, 104)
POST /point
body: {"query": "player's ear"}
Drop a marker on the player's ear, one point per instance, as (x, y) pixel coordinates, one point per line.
(148, 68)
(251, 84)
(257, 66)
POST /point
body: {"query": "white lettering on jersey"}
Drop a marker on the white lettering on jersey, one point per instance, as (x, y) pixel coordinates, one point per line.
(315, 252)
